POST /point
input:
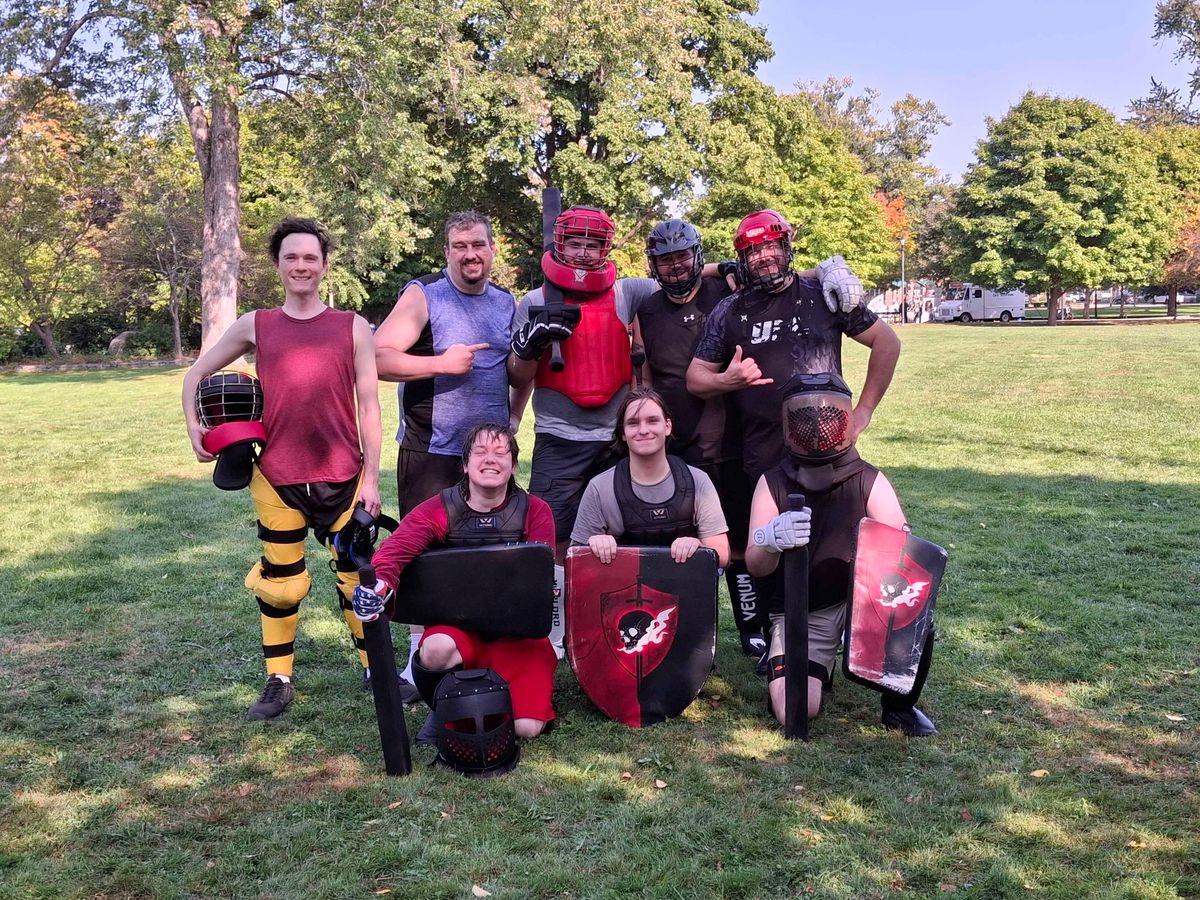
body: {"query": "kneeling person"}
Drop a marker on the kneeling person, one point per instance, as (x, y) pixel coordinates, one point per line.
(839, 489)
(650, 499)
(485, 507)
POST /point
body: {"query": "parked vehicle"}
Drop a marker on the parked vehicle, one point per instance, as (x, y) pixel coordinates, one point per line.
(970, 302)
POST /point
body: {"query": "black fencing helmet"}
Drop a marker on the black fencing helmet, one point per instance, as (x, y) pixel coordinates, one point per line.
(816, 415)
(675, 236)
(230, 405)
(476, 733)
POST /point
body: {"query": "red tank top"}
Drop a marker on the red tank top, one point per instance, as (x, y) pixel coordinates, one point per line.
(306, 367)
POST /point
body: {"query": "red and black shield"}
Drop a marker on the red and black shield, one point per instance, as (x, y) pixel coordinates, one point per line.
(896, 580)
(642, 630)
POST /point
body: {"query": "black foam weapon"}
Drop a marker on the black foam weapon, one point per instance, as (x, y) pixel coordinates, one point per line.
(552, 295)
(795, 636)
(389, 707)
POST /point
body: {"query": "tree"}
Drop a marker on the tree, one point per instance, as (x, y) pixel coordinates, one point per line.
(1176, 152)
(53, 203)
(768, 151)
(1061, 195)
(156, 240)
(210, 59)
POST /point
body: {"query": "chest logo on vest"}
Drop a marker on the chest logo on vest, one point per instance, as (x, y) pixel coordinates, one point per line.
(659, 514)
(690, 317)
(483, 522)
(580, 275)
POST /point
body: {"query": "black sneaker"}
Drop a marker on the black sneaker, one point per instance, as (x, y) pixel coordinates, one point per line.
(428, 732)
(274, 698)
(409, 694)
(911, 721)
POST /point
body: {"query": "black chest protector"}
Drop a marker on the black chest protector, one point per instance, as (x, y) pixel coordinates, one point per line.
(468, 528)
(837, 506)
(656, 524)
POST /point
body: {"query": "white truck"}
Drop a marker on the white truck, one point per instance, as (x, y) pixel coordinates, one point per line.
(970, 303)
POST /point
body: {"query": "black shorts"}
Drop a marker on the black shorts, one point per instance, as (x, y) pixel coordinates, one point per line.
(736, 490)
(421, 475)
(561, 470)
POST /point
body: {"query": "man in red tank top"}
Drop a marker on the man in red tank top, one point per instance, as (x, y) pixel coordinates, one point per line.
(321, 416)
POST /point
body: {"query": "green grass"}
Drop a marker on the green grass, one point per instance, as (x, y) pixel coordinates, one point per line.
(1060, 466)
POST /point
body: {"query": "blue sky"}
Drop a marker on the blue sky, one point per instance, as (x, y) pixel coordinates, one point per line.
(973, 59)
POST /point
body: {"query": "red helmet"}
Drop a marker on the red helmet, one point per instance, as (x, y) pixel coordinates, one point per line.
(583, 222)
(759, 228)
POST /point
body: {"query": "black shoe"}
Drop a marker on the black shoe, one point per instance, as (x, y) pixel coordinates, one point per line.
(763, 666)
(274, 698)
(409, 694)
(911, 721)
(427, 733)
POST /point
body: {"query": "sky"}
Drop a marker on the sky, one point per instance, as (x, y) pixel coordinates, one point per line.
(972, 59)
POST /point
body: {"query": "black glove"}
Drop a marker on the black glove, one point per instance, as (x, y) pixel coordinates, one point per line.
(544, 327)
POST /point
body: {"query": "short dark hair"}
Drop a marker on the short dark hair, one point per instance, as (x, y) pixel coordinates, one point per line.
(467, 219)
(635, 396)
(292, 225)
(489, 431)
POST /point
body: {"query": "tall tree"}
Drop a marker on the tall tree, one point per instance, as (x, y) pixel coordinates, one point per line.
(1176, 152)
(359, 63)
(768, 151)
(54, 199)
(1061, 195)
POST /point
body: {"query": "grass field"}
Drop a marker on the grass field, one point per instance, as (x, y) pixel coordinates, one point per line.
(1060, 466)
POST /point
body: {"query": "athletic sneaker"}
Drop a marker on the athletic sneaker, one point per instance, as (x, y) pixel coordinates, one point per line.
(271, 702)
(911, 721)
(408, 691)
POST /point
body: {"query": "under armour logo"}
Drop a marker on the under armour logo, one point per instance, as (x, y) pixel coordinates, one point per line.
(743, 317)
(580, 275)
(659, 514)
(690, 318)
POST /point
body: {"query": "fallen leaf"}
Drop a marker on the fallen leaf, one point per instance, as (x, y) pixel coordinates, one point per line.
(1038, 773)
(1031, 887)
(798, 788)
(1109, 667)
(715, 698)
(826, 818)
(659, 783)
(186, 737)
(369, 823)
(188, 535)
(211, 864)
(445, 815)
(1175, 717)
(809, 889)
(1136, 845)
(245, 789)
(988, 712)
(966, 814)
(480, 892)
(948, 888)
(396, 805)
(626, 776)
(383, 891)
(720, 867)
(897, 882)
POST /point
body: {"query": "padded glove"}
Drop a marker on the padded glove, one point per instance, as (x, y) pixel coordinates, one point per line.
(786, 531)
(543, 327)
(369, 602)
(841, 287)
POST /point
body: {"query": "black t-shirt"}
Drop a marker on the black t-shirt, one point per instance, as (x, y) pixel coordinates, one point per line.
(788, 333)
(670, 333)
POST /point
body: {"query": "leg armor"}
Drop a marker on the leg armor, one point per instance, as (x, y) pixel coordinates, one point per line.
(279, 580)
(427, 680)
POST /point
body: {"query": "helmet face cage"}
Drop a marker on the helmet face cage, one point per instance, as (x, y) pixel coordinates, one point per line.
(674, 236)
(476, 734)
(756, 230)
(229, 397)
(588, 223)
(816, 414)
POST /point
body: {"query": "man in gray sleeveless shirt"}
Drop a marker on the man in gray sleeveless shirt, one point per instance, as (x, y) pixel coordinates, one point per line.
(446, 343)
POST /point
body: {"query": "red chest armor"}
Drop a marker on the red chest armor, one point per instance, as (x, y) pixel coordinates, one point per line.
(596, 356)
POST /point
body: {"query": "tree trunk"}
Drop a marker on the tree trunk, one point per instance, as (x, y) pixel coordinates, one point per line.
(222, 254)
(1172, 301)
(173, 309)
(45, 331)
(1052, 296)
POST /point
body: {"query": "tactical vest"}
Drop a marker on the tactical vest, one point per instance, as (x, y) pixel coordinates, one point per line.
(656, 524)
(596, 357)
(468, 528)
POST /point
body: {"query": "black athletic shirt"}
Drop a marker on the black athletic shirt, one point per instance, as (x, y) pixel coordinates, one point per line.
(670, 333)
(787, 333)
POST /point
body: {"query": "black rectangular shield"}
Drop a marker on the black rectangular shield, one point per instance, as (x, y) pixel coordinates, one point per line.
(896, 576)
(504, 590)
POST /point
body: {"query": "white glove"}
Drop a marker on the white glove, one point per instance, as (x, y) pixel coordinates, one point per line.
(841, 287)
(369, 602)
(786, 531)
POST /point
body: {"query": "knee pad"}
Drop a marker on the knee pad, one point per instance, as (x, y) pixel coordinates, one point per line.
(427, 680)
(775, 668)
(282, 587)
